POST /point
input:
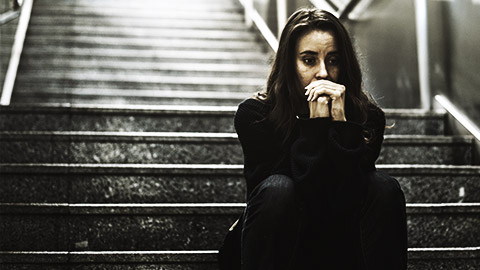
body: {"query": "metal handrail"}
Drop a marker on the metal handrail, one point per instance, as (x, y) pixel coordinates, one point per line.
(459, 116)
(340, 11)
(12, 14)
(343, 13)
(17, 48)
(252, 16)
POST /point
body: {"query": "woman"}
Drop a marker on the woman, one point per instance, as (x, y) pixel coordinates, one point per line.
(310, 141)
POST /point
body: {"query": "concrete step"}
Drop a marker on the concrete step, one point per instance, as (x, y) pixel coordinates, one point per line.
(110, 54)
(74, 86)
(141, 43)
(139, 81)
(125, 12)
(64, 117)
(125, 97)
(135, 67)
(426, 149)
(148, 56)
(196, 183)
(467, 258)
(121, 183)
(197, 148)
(156, 23)
(145, 4)
(132, 9)
(231, 6)
(125, 32)
(61, 227)
(101, 72)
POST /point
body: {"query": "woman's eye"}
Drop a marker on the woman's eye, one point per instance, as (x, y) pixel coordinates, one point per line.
(309, 61)
(333, 61)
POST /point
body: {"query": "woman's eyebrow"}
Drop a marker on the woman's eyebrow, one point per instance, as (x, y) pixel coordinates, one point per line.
(309, 52)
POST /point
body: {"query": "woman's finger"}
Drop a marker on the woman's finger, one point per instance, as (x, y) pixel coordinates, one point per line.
(325, 83)
(316, 92)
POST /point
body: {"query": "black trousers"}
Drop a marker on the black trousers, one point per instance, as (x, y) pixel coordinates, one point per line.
(280, 231)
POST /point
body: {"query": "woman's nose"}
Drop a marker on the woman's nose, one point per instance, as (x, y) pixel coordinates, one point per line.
(322, 72)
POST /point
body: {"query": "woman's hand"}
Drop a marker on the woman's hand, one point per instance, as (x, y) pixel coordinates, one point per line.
(320, 93)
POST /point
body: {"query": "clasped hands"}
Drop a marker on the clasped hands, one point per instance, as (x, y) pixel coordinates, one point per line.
(326, 99)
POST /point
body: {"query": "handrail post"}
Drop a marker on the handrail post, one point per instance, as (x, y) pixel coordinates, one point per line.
(421, 24)
(281, 15)
(248, 12)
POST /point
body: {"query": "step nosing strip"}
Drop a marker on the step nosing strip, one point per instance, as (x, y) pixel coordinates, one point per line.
(447, 253)
(122, 168)
(138, 168)
(197, 209)
(114, 136)
(123, 109)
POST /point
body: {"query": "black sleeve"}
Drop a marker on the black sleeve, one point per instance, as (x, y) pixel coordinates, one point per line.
(330, 159)
(375, 128)
(257, 139)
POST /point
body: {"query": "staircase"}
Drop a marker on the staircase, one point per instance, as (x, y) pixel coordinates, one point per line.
(123, 186)
(139, 52)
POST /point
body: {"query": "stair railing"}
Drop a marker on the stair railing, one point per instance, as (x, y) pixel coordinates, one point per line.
(253, 18)
(11, 14)
(25, 9)
(339, 8)
(461, 124)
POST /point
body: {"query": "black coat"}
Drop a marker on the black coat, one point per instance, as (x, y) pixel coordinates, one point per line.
(327, 159)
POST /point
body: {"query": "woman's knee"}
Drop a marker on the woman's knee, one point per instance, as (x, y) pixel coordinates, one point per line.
(275, 194)
(385, 190)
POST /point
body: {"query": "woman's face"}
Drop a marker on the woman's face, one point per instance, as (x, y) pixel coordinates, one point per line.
(317, 57)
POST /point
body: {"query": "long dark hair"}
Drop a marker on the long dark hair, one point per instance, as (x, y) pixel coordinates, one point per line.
(282, 90)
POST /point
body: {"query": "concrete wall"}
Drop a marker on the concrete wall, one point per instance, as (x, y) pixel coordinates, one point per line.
(454, 42)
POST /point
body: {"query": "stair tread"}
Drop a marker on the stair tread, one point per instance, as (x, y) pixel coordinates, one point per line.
(160, 109)
(236, 169)
(126, 13)
(140, 93)
(151, 54)
(144, 78)
(195, 208)
(141, 42)
(204, 136)
(143, 22)
(132, 31)
(167, 67)
(196, 255)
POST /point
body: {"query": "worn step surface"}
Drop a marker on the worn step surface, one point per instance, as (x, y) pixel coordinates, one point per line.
(419, 259)
(198, 148)
(51, 227)
(153, 55)
(156, 23)
(143, 81)
(210, 183)
(64, 117)
(72, 95)
(173, 44)
(136, 67)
